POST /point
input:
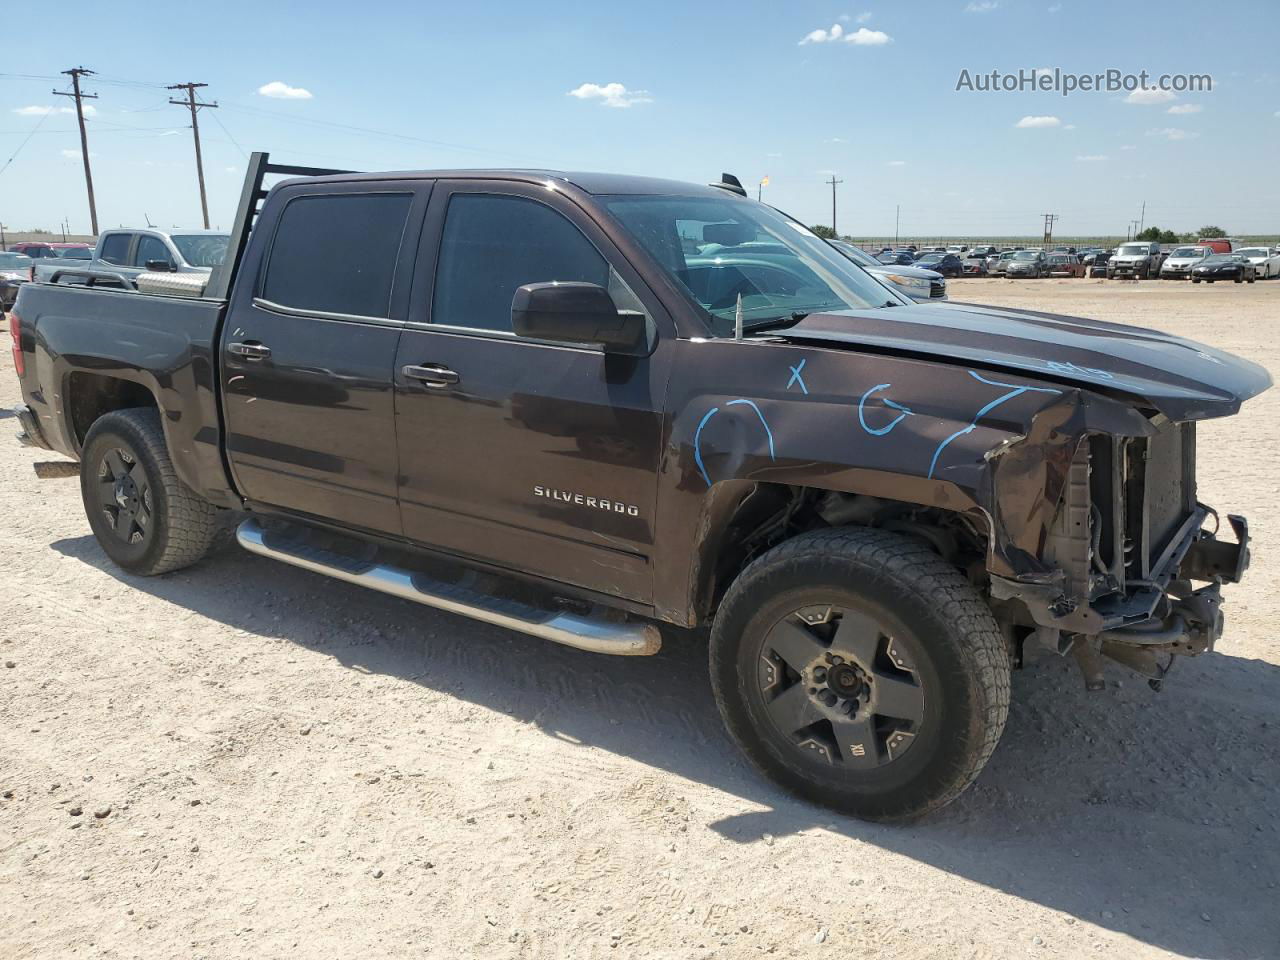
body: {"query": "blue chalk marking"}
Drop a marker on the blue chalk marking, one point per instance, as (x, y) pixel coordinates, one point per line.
(763, 422)
(887, 402)
(796, 378)
(697, 440)
(697, 434)
(1014, 391)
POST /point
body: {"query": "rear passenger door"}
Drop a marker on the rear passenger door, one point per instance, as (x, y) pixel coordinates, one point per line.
(308, 349)
(536, 456)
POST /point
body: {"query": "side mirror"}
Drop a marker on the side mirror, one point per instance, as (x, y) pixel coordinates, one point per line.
(159, 266)
(570, 312)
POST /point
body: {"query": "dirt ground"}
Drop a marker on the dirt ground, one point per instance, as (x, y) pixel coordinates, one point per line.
(296, 767)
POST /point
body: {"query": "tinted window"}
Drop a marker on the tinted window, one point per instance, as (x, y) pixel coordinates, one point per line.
(494, 244)
(115, 248)
(150, 248)
(337, 254)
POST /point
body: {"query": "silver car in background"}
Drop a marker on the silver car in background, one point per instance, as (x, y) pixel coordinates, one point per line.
(919, 284)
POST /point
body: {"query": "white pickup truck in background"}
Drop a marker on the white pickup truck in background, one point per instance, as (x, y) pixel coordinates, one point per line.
(123, 255)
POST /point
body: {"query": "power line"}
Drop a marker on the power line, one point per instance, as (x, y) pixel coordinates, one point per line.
(242, 150)
(192, 104)
(75, 73)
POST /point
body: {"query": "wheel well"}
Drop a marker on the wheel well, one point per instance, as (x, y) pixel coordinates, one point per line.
(768, 513)
(90, 395)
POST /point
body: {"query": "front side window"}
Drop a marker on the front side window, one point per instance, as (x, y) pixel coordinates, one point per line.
(492, 244)
(719, 250)
(337, 253)
(115, 249)
(203, 250)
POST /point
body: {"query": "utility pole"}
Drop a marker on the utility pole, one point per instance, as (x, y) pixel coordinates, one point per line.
(1143, 219)
(1133, 226)
(75, 73)
(833, 181)
(191, 104)
(3, 245)
(897, 217)
(1049, 220)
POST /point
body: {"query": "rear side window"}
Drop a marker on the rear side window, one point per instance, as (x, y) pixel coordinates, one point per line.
(493, 244)
(337, 253)
(115, 248)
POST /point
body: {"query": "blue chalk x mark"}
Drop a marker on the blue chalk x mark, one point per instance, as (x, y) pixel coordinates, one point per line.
(881, 431)
(1014, 391)
(796, 378)
(697, 434)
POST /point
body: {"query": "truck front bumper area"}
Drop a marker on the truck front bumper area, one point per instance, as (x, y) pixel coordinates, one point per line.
(1156, 620)
(30, 435)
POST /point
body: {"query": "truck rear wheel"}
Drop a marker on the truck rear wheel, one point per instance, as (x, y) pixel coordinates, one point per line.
(858, 669)
(145, 519)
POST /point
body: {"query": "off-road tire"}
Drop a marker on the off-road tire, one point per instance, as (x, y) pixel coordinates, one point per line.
(182, 526)
(961, 657)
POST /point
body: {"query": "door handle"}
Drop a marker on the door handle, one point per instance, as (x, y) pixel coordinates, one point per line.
(250, 350)
(434, 375)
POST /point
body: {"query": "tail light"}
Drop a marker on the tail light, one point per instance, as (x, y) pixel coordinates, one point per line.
(15, 331)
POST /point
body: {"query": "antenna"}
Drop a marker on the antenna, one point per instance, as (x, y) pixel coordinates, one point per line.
(148, 219)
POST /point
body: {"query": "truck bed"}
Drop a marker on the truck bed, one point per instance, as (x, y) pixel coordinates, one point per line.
(166, 344)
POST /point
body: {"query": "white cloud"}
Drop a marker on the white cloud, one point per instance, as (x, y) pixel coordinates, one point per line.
(169, 133)
(862, 18)
(897, 163)
(1069, 126)
(611, 94)
(1173, 133)
(981, 6)
(1055, 8)
(42, 111)
(836, 140)
(1091, 158)
(278, 90)
(1181, 109)
(1148, 95)
(862, 37)
(1044, 71)
(1128, 146)
(1031, 123)
(75, 154)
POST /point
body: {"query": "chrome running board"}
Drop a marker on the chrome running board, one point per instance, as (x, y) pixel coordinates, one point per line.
(597, 634)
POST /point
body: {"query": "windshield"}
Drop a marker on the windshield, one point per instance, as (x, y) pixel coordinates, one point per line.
(718, 250)
(14, 261)
(203, 250)
(1253, 252)
(1026, 254)
(72, 253)
(1187, 252)
(1134, 250)
(1221, 258)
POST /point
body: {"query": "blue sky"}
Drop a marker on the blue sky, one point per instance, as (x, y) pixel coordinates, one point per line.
(704, 88)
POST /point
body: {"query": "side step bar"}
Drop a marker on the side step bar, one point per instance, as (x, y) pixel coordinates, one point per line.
(596, 634)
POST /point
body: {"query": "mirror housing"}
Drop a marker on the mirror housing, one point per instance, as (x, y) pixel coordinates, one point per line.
(572, 312)
(159, 266)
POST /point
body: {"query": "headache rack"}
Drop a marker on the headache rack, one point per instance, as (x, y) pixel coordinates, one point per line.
(251, 196)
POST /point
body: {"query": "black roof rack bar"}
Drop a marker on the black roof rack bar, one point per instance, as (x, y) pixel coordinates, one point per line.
(247, 211)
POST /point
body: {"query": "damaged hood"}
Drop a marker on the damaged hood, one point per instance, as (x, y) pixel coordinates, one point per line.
(1181, 379)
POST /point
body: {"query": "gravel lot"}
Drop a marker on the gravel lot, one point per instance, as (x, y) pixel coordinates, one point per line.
(247, 760)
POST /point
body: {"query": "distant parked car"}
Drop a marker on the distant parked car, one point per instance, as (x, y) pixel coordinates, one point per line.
(947, 264)
(128, 253)
(974, 265)
(957, 248)
(1099, 266)
(997, 266)
(1224, 266)
(1137, 260)
(15, 270)
(1216, 244)
(1027, 263)
(901, 259)
(920, 285)
(1266, 263)
(1065, 265)
(983, 250)
(1177, 266)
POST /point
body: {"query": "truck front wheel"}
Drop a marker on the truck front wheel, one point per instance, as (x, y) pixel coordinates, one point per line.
(145, 519)
(858, 669)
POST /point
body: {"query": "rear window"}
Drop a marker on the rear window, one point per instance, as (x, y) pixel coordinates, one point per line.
(337, 253)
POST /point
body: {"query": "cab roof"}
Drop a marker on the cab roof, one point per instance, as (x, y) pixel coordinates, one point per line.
(597, 184)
